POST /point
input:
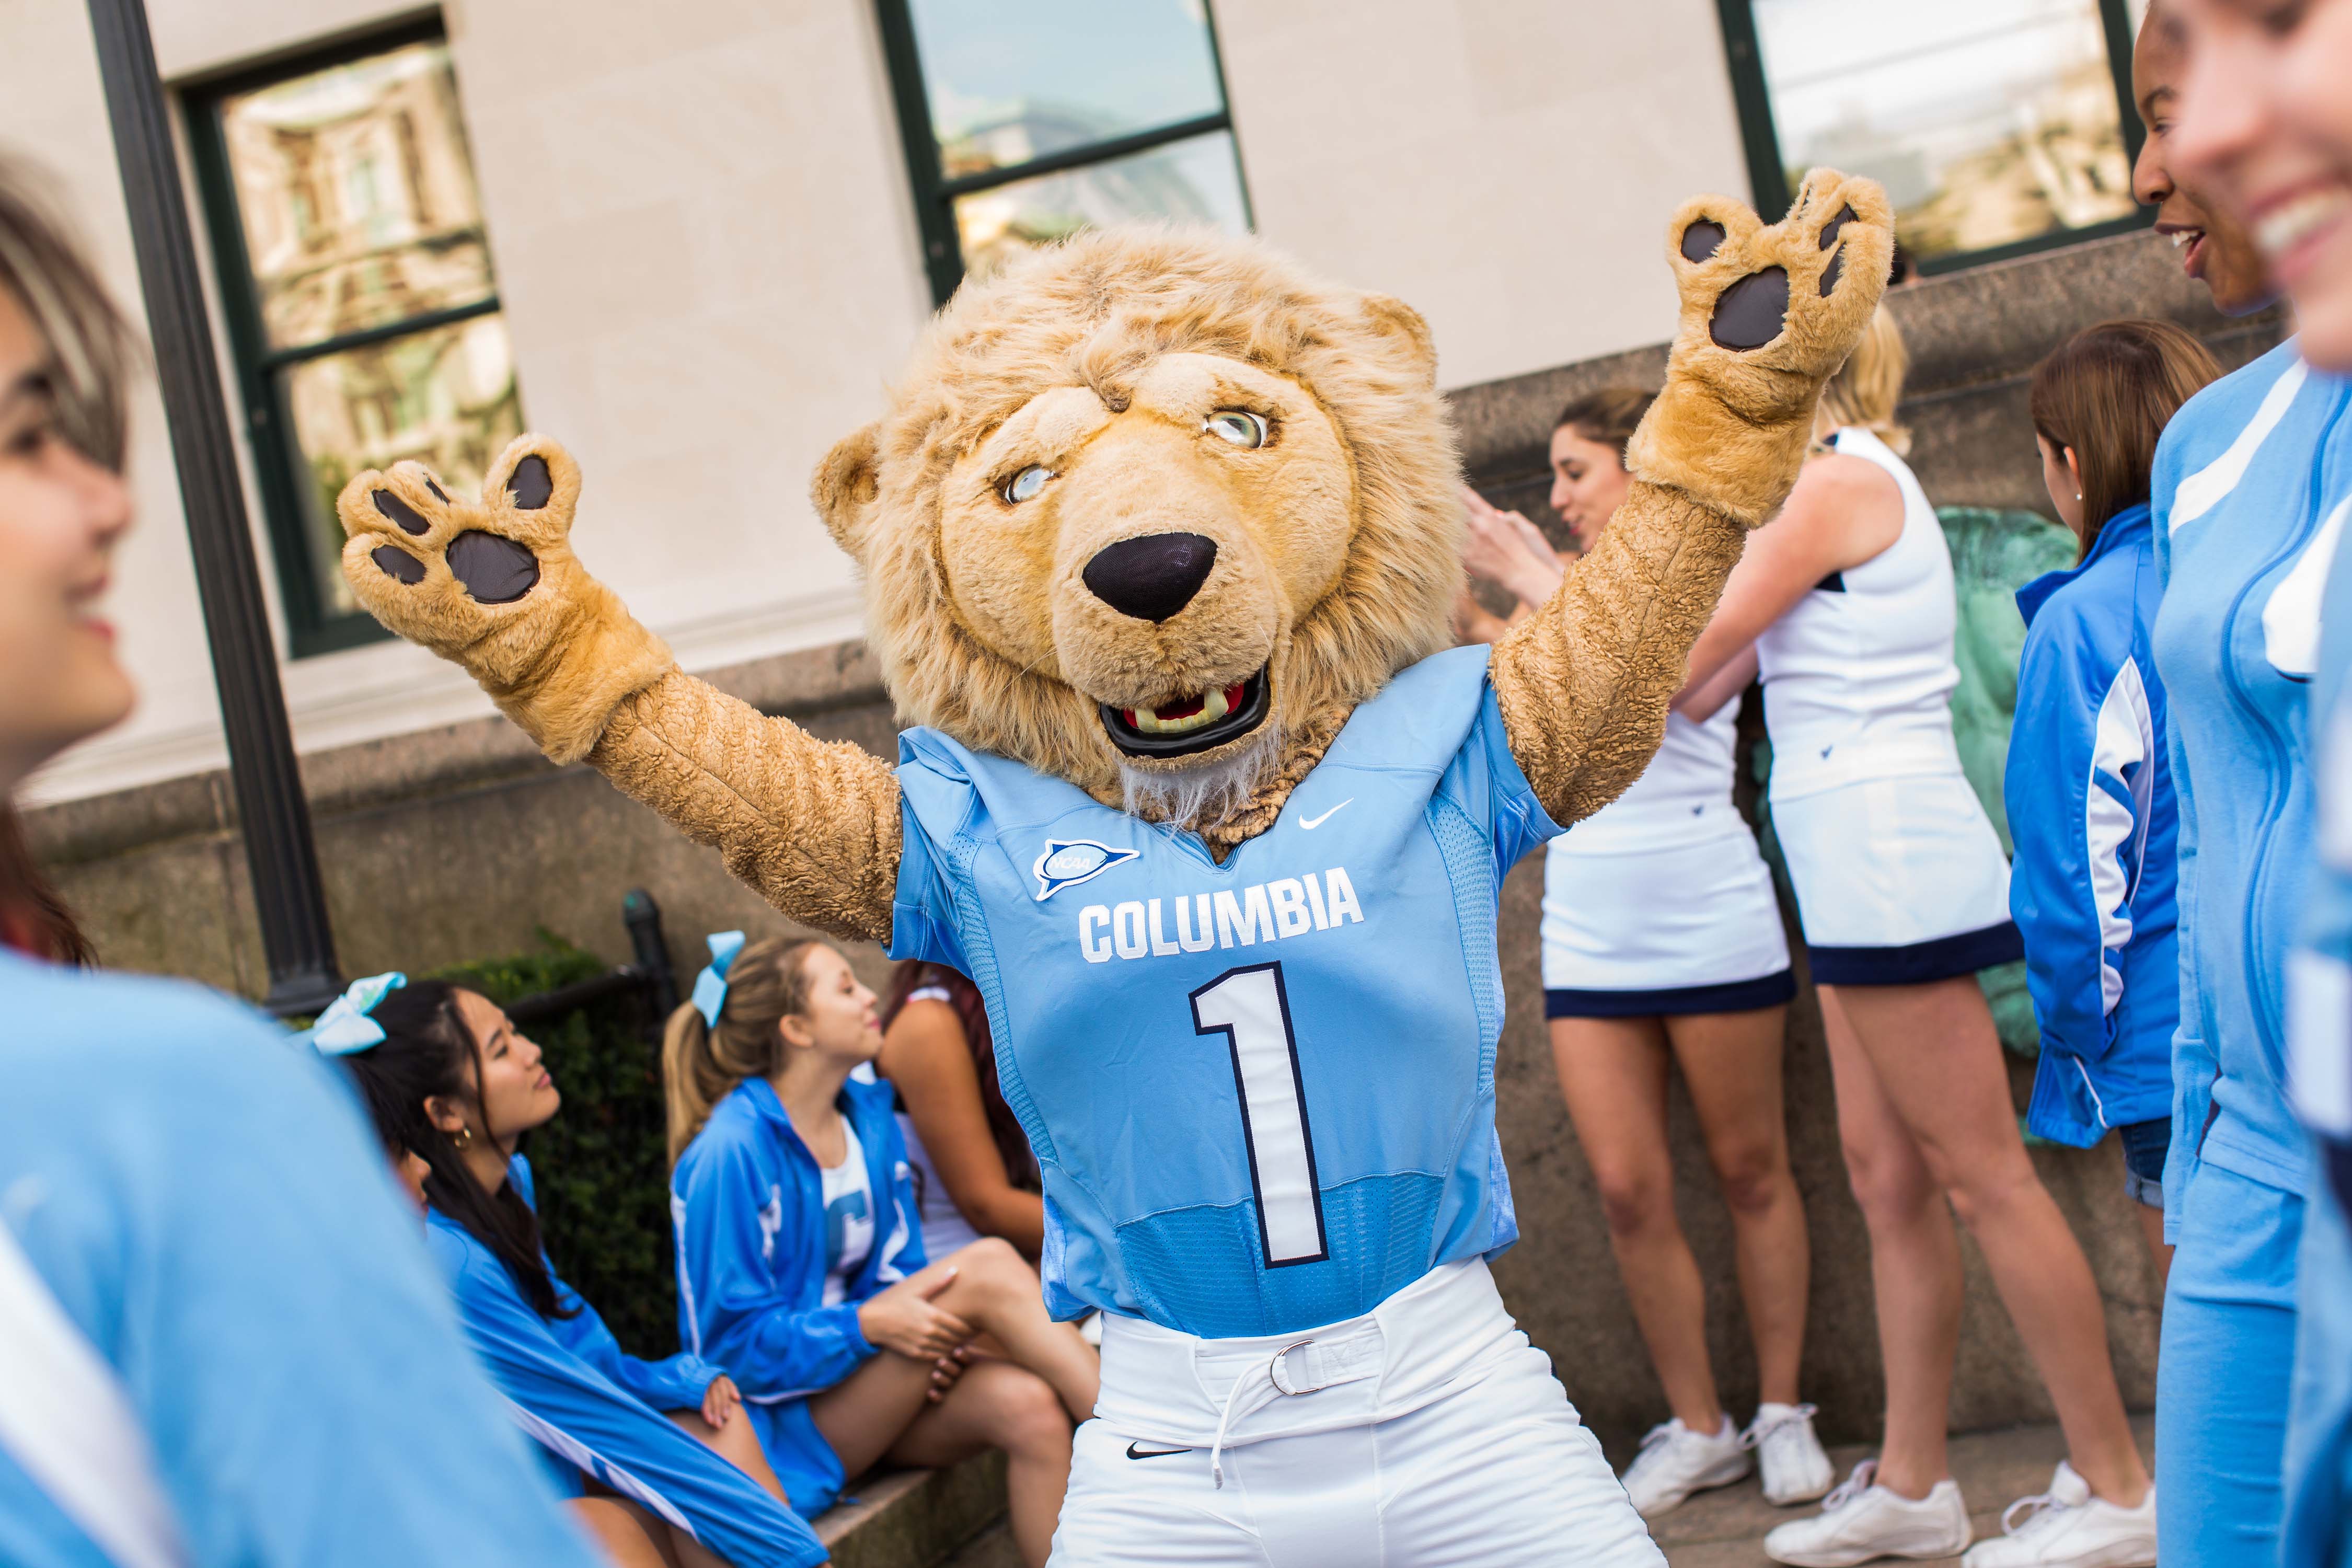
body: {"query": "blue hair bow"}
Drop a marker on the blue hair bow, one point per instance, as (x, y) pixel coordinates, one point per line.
(345, 1026)
(710, 986)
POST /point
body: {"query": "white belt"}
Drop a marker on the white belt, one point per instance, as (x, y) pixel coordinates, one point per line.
(1166, 1386)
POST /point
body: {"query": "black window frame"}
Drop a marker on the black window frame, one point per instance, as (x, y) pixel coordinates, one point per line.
(1767, 170)
(935, 197)
(312, 626)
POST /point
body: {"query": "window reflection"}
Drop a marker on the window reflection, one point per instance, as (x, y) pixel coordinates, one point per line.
(356, 192)
(1989, 122)
(1007, 84)
(1195, 181)
(445, 396)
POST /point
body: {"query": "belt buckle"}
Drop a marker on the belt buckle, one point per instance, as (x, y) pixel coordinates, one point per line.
(1275, 1368)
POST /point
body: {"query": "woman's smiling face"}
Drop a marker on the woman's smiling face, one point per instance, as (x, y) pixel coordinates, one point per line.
(61, 516)
(2265, 124)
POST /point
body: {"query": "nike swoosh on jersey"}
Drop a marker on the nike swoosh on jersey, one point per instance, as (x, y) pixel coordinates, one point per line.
(1135, 1453)
(1311, 823)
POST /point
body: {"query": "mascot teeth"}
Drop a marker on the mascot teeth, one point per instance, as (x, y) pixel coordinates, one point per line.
(1186, 714)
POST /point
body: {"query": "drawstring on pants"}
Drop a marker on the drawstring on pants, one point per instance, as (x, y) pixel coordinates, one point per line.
(1263, 1389)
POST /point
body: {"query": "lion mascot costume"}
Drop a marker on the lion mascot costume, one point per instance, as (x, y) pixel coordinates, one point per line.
(1160, 536)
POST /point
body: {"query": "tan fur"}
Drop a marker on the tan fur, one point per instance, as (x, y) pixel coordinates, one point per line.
(557, 661)
(812, 827)
(1731, 427)
(1337, 546)
(982, 626)
(1584, 683)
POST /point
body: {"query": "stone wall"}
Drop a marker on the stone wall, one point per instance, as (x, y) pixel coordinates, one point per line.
(461, 842)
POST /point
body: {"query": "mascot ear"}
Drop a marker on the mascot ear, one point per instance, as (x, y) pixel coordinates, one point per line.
(1404, 330)
(844, 490)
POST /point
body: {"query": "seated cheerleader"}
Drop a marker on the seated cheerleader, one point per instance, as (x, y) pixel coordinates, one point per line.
(801, 1264)
(660, 1463)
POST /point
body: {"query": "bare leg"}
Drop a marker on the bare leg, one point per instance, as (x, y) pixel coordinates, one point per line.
(1936, 1056)
(1915, 1262)
(1613, 1073)
(996, 1404)
(631, 1537)
(996, 1292)
(1731, 1064)
(738, 1444)
(2160, 1251)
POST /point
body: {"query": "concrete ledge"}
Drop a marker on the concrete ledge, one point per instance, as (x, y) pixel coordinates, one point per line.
(915, 1519)
(806, 685)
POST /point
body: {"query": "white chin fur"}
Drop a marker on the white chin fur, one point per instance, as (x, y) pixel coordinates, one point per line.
(1187, 797)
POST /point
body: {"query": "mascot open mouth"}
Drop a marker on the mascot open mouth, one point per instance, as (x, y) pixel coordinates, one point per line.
(1189, 724)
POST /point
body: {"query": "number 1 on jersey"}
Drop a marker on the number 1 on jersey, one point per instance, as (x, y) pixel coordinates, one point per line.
(1250, 1009)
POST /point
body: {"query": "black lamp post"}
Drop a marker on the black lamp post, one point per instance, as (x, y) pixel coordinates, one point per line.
(272, 815)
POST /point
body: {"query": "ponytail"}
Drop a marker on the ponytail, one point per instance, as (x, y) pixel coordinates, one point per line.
(703, 1062)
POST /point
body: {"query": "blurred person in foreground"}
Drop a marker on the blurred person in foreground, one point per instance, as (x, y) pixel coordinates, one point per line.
(2215, 248)
(2249, 502)
(221, 1342)
(2267, 127)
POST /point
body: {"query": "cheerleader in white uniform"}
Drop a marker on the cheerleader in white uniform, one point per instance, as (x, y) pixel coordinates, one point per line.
(1844, 606)
(1663, 942)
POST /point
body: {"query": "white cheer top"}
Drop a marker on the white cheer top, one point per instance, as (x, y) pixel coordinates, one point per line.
(1684, 797)
(1858, 676)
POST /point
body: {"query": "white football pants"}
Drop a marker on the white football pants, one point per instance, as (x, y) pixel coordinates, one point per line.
(1428, 1431)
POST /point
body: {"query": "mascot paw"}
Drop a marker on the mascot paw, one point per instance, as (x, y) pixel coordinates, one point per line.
(1769, 314)
(1792, 298)
(451, 574)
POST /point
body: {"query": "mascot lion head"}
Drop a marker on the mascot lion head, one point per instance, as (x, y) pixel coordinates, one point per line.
(1153, 512)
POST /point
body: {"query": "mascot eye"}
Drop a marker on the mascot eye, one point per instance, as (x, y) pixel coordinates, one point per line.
(1025, 485)
(1238, 426)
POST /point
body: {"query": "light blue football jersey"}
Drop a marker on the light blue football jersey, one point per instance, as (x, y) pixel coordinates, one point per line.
(1262, 1094)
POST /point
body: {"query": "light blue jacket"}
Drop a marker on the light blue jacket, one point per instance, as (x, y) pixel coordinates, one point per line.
(2090, 802)
(595, 1409)
(2316, 1531)
(2240, 484)
(211, 1210)
(747, 1203)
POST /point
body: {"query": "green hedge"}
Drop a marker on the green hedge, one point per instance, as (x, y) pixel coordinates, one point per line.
(602, 1166)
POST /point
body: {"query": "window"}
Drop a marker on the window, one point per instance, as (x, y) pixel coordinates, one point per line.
(363, 307)
(1996, 126)
(1026, 124)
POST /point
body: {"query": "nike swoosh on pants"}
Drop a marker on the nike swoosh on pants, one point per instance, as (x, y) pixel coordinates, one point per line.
(1135, 1453)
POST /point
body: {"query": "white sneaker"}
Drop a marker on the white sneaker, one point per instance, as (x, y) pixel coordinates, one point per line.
(1675, 1461)
(1795, 1468)
(1863, 1520)
(2067, 1526)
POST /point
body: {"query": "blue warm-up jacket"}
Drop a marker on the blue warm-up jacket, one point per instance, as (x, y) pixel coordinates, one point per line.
(747, 1202)
(2242, 484)
(2318, 1527)
(2089, 791)
(209, 1210)
(596, 1410)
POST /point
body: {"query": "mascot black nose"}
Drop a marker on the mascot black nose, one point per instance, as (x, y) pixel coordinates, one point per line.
(1153, 576)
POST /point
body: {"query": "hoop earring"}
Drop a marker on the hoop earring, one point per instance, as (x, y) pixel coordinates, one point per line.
(462, 1139)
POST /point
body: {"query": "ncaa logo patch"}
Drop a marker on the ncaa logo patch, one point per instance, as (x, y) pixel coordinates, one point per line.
(1067, 862)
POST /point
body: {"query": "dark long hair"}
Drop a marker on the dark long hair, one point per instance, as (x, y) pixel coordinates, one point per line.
(1003, 1127)
(428, 1050)
(33, 918)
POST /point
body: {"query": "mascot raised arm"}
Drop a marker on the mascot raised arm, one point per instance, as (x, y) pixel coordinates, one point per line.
(1160, 537)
